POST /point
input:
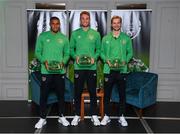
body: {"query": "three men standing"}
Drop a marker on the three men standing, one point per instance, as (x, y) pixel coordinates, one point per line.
(85, 48)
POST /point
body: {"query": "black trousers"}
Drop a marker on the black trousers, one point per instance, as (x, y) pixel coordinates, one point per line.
(80, 77)
(115, 77)
(49, 82)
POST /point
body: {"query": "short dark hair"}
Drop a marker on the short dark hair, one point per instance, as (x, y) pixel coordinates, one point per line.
(54, 18)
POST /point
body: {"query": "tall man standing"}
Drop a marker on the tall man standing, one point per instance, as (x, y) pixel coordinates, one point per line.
(116, 51)
(52, 50)
(85, 48)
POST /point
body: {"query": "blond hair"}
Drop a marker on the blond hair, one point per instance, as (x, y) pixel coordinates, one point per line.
(116, 17)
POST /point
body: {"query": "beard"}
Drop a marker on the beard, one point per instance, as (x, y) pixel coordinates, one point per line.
(85, 25)
(114, 29)
(55, 31)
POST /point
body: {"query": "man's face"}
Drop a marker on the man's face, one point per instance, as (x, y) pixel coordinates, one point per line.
(116, 24)
(85, 20)
(55, 25)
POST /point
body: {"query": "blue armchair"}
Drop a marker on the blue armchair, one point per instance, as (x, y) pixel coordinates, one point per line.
(141, 90)
(35, 82)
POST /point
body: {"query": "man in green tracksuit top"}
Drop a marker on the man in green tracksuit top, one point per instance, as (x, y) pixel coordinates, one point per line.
(52, 50)
(116, 51)
(85, 42)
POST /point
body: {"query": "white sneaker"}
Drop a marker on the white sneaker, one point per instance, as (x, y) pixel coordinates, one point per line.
(95, 120)
(123, 121)
(63, 121)
(40, 123)
(105, 120)
(75, 120)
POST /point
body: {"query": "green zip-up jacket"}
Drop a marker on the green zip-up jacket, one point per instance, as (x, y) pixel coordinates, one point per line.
(52, 46)
(85, 43)
(119, 48)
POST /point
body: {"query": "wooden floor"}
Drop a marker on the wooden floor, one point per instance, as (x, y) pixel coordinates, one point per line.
(21, 116)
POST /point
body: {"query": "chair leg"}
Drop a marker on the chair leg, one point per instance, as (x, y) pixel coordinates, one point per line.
(82, 108)
(140, 112)
(101, 107)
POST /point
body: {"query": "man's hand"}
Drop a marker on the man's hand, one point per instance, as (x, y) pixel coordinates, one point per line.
(77, 60)
(109, 63)
(123, 63)
(46, 65)
(92, 60)
(61, 65)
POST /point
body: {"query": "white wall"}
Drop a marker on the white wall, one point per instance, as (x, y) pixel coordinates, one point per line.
(165, 38)
(13, 54)
(165, 46)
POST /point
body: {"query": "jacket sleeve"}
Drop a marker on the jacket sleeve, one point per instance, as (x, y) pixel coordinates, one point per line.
(39, 49)
(129, 50)
(103, 57)
(66, 52)
(98, 46)
(72, 47)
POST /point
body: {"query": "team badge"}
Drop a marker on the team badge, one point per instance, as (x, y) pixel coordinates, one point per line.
(43, 78)
(106, 79)
(132, 28)
(76, 75)
(79, 36)
(47, 40)
(107, 42)
(91, 37)
(60, 40)
(123, 42)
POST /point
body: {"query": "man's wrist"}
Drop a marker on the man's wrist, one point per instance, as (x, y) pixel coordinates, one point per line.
(107, 61)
